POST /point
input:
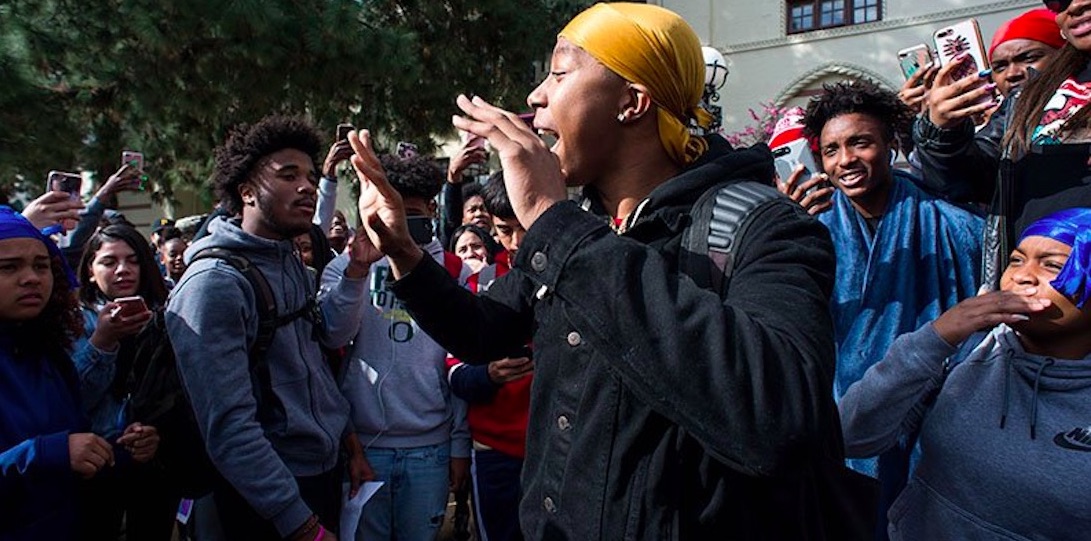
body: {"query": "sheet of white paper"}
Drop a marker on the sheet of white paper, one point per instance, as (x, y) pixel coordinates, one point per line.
(352, 509)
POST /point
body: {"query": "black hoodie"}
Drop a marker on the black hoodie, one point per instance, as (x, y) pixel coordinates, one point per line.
(659, 410)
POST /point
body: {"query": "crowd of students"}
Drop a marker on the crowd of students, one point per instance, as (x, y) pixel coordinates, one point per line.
(561, 361)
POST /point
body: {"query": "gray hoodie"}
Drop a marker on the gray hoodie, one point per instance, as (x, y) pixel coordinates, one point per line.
(397, 375)
(212, 321)
(1004, 447)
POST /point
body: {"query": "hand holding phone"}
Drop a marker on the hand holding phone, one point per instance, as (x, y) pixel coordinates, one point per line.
(129, 306)
(343, 131)
(913, 59)
(961, 89)
(135, 160)
(961, 44)
(69, 183)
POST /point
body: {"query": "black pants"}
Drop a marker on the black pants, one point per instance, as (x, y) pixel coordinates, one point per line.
(135, 492)
(322, 493)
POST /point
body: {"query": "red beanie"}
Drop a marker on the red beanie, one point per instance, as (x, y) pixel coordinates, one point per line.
(1037, 24)
(788, 128)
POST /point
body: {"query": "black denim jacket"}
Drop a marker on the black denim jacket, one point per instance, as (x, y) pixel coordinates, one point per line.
(659, 410)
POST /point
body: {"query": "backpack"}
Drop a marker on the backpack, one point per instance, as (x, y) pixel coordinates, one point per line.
(719, 219)
(157, 396)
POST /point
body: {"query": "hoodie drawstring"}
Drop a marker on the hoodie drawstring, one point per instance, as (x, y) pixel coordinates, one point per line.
(1034, 405)
(1007, 387)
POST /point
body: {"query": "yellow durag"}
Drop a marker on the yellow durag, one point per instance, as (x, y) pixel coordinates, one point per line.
(654, 47)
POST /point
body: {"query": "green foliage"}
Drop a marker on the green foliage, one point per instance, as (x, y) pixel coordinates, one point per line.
(82, 81)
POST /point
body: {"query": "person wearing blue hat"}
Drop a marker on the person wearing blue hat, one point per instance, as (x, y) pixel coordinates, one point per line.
(45, 446)
(999, 387)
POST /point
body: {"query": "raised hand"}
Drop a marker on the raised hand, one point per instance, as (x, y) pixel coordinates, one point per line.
(951, 102)
(339, 152)
(53, 208)
(914, 93)
(127, 177)
(471, 152)
(532, 174)
(382, 211)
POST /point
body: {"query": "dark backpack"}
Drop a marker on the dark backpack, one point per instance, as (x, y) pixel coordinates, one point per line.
(157, 396)
(719, 220)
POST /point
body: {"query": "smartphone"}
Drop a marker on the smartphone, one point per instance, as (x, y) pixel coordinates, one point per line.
(789, 155)
(135, 159)
(129, 306)
(420, 229)
(963, 37)
(343, 131)
(914, 59)
(70, 183)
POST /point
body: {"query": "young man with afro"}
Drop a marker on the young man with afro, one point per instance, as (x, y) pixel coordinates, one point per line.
(903, 256)
(413, 430)
(275, 435)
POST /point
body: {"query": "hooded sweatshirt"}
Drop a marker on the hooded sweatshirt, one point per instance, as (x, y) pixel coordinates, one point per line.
(39, 409)
(397, 375)
(1004, 447)
(212, 321)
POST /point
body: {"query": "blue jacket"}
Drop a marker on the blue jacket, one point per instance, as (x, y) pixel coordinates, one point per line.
(39, 408)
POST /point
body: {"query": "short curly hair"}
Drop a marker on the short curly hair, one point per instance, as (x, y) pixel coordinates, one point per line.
(246, 145)
(861, 96)
(495, 194)
(414, 176)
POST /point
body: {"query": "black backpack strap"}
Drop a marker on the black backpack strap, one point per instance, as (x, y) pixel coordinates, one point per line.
(266, 302)
(718, 220)
(268, 323)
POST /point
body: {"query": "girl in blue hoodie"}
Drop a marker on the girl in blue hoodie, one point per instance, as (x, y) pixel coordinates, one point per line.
(1005, 432)
(44, 444)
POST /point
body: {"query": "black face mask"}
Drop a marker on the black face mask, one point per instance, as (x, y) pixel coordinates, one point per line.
(420, 229)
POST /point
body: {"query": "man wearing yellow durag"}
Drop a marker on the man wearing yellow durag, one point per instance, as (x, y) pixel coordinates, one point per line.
(659, 409)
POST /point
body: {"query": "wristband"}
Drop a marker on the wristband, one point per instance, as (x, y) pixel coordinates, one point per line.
(306, 528)
(321, 533)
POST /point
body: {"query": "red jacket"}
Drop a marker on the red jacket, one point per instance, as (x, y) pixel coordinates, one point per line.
(497, 413)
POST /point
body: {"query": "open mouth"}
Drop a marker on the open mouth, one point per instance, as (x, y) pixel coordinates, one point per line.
(550, 137)
(852, 178)
(1080, 27)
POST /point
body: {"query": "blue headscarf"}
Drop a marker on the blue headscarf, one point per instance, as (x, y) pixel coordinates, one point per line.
(14, 226)
(1071, 227)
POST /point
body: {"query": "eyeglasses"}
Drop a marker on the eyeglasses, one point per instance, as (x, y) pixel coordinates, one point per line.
(1057, 6)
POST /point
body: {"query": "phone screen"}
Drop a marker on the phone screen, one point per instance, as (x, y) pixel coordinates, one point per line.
(69, 183)
(343, 131)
